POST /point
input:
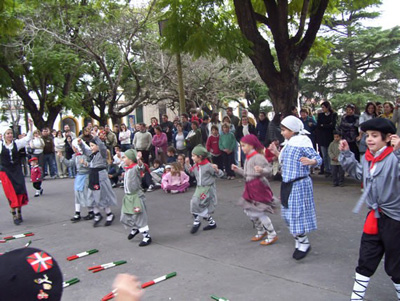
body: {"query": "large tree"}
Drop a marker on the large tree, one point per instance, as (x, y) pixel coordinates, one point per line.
(364, 61)
(280, 35)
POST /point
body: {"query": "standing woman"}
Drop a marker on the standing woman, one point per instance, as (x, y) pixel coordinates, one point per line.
(179, 139)
(160, 142)
(125, 138)
(37, 145)
(59, 145)
(11, 175)
(326, 124)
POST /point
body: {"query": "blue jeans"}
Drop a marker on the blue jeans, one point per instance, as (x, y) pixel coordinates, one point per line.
(327, 160)
(50, 160)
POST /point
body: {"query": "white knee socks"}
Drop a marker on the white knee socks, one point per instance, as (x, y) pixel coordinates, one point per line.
(359, 288)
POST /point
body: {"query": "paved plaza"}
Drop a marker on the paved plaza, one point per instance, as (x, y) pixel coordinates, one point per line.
(222, 262)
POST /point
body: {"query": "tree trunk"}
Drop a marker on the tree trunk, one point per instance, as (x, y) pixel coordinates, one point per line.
(290, 51)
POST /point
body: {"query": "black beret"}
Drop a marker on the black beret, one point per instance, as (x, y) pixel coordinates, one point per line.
(29, 274)
(382, 125)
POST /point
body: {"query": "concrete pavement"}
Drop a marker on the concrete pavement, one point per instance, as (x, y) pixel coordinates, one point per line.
(221, 262)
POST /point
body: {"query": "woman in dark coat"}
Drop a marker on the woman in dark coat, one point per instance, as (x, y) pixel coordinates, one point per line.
(326, 124)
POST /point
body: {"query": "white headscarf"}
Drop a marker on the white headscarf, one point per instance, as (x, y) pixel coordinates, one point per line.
(294, 124)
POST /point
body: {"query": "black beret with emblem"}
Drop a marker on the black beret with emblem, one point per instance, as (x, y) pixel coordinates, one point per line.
(29, 274)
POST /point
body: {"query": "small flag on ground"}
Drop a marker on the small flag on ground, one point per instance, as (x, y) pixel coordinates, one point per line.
(2, 241)
(83, 254)
(159, 279)
(218, 298)
(18, 236)
(70, 282)
(105, 266)
(144, 285)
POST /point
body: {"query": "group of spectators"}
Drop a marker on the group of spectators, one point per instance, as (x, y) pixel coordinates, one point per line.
(167, 139)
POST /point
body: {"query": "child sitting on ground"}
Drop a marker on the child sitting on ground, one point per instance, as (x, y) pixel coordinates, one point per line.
(176, 180)
(380, 172)
(156, 174)
(171, 154)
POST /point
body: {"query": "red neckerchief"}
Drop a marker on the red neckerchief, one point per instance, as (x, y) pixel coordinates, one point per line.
(130, 166)
(251, 155)
(204, 162)
(370, 157)
(78, 154)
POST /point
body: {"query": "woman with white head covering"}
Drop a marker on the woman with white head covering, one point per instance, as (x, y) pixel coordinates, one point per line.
(11, 175)
(296, 157)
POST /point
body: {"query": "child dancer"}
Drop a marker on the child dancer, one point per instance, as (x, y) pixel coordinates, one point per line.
(380, 172)
(36, 176)
(100, 190)
(298, 208)
(204, 200)
(257, 197)
(80, 163)
(133, 212)
(176, 180)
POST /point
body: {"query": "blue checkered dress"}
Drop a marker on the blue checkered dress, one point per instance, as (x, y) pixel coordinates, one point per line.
(300, 216)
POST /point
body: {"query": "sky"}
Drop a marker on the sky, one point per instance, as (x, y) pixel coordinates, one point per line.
(389, 15)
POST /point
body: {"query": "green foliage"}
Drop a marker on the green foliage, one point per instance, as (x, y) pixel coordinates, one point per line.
(201, 28)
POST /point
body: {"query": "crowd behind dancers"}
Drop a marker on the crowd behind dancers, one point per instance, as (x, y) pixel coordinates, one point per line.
(194, 151)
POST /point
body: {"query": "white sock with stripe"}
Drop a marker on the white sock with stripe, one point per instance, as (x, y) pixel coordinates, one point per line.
(359, 288)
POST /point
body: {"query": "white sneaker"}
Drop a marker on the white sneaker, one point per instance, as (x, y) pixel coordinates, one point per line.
(151, 187)
(174, 191)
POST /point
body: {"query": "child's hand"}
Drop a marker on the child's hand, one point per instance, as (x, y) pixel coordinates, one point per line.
(129, 288)
(272, 148)
(343, 145)
(258, 169)
(79, 140)
(395, 142)
(234, 167)
(215, 166)
(306, 161)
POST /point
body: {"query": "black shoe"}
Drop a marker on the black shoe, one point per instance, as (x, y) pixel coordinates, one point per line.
(76, 218)
(96, 222)
(298, 255)
(130, 236)
(17, 221)
(195, 227)
(210, 227)
(89, 216)
(145, 242)
(41, 191)
(108, 223)
(335, 185)
(321, 173)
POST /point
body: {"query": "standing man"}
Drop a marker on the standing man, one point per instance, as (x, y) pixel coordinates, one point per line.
(49, 158)
(167, 127)
(111, 139)
(68, 131)
(142, 142)
(204, 129)
(234, 119)
(185, 123)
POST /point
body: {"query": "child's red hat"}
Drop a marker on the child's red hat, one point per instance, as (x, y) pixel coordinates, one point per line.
(33, 159)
